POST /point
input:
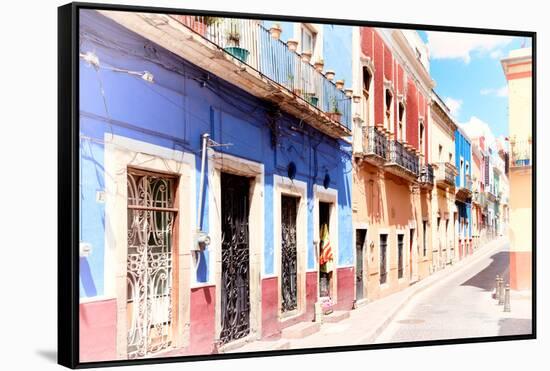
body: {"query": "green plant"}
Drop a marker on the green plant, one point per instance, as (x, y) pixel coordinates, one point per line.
(334, 106)
(233, 33)
(209, 21)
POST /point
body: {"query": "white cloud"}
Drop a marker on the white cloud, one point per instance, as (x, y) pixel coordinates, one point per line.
(500, 92)
(454, 105)
(496, 54)
(476, 128)
(449, 45)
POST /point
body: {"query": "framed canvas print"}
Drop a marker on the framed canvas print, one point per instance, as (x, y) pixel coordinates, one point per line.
(240, 185)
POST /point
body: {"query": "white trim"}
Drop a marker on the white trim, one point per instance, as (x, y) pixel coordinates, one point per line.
(329, 195)
(218, 163)
(286, 186)
(120, 153)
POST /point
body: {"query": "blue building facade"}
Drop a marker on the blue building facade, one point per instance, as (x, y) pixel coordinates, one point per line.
(145, 110)
(463, 162)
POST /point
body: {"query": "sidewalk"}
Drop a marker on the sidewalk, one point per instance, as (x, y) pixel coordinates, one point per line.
(366, 323)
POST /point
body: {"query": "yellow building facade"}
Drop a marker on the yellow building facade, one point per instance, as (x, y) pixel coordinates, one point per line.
(518, 71)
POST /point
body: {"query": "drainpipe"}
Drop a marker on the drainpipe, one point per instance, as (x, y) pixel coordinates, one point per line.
(205, 138)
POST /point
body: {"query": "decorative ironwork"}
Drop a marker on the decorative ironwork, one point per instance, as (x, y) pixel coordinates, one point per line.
(426, 174)
(383, 256)
(375, 142)
(521, 153)
(151, 215)
(249, 41)
(403, 157)
(289, 276)
(446, 173)
(400, 255)
(235, 290)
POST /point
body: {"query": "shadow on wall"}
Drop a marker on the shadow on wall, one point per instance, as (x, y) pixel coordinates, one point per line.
(485, 279)
(86, 278)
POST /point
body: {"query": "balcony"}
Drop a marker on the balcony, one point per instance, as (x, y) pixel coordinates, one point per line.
(266, 67)
(445, 174)
(464, 191)
(375, 145)
(521, 152)
(480, 199)
(402, 161)
(426, 178)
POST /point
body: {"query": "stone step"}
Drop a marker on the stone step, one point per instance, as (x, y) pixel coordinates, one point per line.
(301, 330)
(263, 345)
(336, 316)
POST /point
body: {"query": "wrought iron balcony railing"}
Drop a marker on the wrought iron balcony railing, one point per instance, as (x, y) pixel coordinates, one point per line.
(521, 152)
(426, 174)
(446, 173)
(250, 41)
(403, 157)
(375, 142)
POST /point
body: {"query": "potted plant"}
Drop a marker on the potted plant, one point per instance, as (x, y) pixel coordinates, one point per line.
(340, 84)
(275, 31)
(306, 56)
(292, 44)
(233, 36)
(330, 75)
(334, 114)
(319, 65)
(312, 99)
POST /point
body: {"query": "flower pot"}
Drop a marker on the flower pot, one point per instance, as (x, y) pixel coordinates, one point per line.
(335, 116)
(319, 65)
(330, 75)
(306, 56)
(238, 52)
(349, 92)
(340, 84)
(312, 99)
(275, 31)
(292, 45)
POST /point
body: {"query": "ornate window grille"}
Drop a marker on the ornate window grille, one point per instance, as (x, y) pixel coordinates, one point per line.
(151, 215)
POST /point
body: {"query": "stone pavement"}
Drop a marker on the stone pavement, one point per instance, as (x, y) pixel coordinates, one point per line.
(366, 324)
(462, 306)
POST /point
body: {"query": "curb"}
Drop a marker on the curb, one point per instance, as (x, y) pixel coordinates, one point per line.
(481, 253)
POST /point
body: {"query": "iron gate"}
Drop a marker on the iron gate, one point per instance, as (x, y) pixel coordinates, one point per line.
(289, 277)
(383, 255)
(360, 236)
(235, 290)
(151, 215)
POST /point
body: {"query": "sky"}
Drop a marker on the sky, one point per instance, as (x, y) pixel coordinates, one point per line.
(469, 77)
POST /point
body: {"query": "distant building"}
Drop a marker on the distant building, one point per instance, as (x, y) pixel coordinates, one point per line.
(518, 71)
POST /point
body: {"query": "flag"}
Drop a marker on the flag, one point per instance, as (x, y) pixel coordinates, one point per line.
(326, 256)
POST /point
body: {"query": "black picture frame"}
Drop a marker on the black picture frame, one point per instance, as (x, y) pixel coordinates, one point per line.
(68, 184)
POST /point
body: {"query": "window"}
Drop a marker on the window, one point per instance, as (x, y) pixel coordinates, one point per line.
(400, 238)
(367, 78)
(383, 256)
(440, 152)
(450, 157)
(421, 137)
(389, 98)
(308, 38)
(401, 115)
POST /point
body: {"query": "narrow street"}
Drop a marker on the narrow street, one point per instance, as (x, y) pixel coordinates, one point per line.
(461, 306)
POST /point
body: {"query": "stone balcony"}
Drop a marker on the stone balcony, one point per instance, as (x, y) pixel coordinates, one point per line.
(403, 160)
(244, 53)
(445, 174)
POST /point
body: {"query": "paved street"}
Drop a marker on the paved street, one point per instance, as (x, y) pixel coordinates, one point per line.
(460, 306)
(452, 303)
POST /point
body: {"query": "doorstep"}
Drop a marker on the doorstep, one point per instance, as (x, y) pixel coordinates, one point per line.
(300, 330)
(336, 316)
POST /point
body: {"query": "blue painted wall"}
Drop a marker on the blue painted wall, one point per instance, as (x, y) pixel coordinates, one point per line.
(337, 51)
(174, 112)
(463, 150)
